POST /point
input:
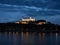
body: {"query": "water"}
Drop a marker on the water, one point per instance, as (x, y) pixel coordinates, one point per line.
(29, 38)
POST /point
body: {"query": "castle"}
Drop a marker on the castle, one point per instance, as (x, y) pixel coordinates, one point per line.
(28, 19)
(31, 20)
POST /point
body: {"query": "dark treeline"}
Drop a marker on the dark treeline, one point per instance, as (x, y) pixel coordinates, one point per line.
(13, 27)
(30, 27)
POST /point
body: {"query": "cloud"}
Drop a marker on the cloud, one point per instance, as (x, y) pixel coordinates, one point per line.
(9, 13)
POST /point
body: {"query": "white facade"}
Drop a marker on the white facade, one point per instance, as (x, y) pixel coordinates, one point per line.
(28, 19)
(40, 23)
(17, 22)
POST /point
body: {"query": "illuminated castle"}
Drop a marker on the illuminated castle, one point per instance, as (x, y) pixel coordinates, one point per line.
(28, 19)
(31, 20)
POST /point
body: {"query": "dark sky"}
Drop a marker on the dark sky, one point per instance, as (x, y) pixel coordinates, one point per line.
(13, 10)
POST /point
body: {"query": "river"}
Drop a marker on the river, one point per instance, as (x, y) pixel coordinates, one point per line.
(29, 38)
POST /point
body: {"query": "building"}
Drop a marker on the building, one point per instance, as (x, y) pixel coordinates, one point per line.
(40, 22)
(31, 21)
(24, 22)
(17, 22)
(28, 19)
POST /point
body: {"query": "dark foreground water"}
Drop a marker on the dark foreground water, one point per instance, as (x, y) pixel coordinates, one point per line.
(29, 38)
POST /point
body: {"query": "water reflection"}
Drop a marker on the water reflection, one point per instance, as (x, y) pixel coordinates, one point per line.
(15, 38)
(22, 35)
(29, 38)
(56, 35)
(56, 38)
(42, 38)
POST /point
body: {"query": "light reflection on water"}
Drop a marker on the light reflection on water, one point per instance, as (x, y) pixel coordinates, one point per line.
(29, 38)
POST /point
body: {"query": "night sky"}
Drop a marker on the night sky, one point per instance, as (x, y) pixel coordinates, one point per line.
(14, 10)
